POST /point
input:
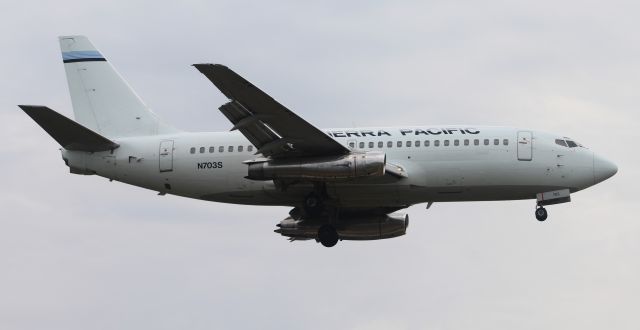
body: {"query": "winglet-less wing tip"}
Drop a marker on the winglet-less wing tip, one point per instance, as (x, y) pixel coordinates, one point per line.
(203, 66)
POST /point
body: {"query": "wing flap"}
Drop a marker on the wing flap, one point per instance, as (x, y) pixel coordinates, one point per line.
(69, 134)
(249, 125)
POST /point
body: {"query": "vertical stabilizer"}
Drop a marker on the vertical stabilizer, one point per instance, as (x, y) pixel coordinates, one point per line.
(102, 100)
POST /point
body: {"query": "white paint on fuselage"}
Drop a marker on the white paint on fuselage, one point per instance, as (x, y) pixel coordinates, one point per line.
(435, 173)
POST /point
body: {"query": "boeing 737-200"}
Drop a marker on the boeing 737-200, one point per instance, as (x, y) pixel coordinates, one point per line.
(342, 184)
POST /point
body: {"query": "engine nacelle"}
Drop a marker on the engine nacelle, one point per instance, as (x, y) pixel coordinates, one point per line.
(354, 165)
(356, 228)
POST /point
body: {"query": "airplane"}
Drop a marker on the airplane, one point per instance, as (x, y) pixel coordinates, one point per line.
(341, 183)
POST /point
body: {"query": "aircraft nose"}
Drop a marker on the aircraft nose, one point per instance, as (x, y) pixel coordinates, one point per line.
(603, 169)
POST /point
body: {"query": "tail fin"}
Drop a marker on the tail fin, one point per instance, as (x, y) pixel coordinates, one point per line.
(70, 135)
(102, 100)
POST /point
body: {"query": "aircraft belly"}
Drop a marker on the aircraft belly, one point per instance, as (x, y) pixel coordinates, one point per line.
(440, 181)
(430, 182)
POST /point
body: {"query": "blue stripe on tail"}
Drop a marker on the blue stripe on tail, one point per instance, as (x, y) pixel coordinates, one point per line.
(82, 56)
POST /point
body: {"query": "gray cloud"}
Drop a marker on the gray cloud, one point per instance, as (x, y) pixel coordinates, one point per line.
(80, 252)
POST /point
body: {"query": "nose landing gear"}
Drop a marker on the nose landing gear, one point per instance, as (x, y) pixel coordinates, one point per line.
(541, 213)
(550, 198)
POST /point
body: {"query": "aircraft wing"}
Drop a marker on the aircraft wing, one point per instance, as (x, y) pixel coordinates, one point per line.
(276, 131)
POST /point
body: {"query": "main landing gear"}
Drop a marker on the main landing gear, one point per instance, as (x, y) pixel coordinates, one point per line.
(327, 235)
(313, 204)
(314, 201)
(541, 213)
(314, 207)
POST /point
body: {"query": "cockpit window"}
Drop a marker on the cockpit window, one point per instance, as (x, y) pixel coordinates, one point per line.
(566, 142)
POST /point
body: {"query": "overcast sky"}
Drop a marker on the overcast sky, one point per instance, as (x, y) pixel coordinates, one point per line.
(83, 253)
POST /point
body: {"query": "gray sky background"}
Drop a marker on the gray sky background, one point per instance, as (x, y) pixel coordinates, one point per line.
(82, 253)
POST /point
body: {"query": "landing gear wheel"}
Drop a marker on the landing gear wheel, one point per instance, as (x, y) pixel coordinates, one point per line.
(327, 235)
(541, 214)
(313, 204)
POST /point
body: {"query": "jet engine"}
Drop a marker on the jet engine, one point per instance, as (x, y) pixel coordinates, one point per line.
(353, 165)
(371, 227)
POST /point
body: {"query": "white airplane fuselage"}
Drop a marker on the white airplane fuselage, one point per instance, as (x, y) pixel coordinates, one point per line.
(494, 163)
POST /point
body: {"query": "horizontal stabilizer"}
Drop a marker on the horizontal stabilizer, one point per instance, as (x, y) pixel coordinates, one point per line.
(70, 135)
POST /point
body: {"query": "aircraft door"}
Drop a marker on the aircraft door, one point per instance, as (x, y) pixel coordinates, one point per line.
(166, 156)
(525, 145)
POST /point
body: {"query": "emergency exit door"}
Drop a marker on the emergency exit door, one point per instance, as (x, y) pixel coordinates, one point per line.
(525, 145)
(166, 156)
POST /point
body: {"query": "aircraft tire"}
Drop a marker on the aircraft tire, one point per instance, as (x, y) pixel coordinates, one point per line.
(541, 214)
(313, 204)
(327, 235)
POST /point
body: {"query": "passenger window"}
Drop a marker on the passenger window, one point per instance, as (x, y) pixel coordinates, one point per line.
(399, 144)
(230, 148)
(220, 149)
(436, 143)
(249, 148)
(380, 144)
(370, 144)
(361, 145)
(496, 142)
(486, 142)
(476, 142)
(456, 142)
(505, 142)
(466, 142)
(417, 143)
(201, 150)
(446, 143)
(352, 144)
(240, 148)
(408, 144)
(571, 144)
(211, 149)
(193, 150)
(561, 142)
(426, 143)
(389, 144)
